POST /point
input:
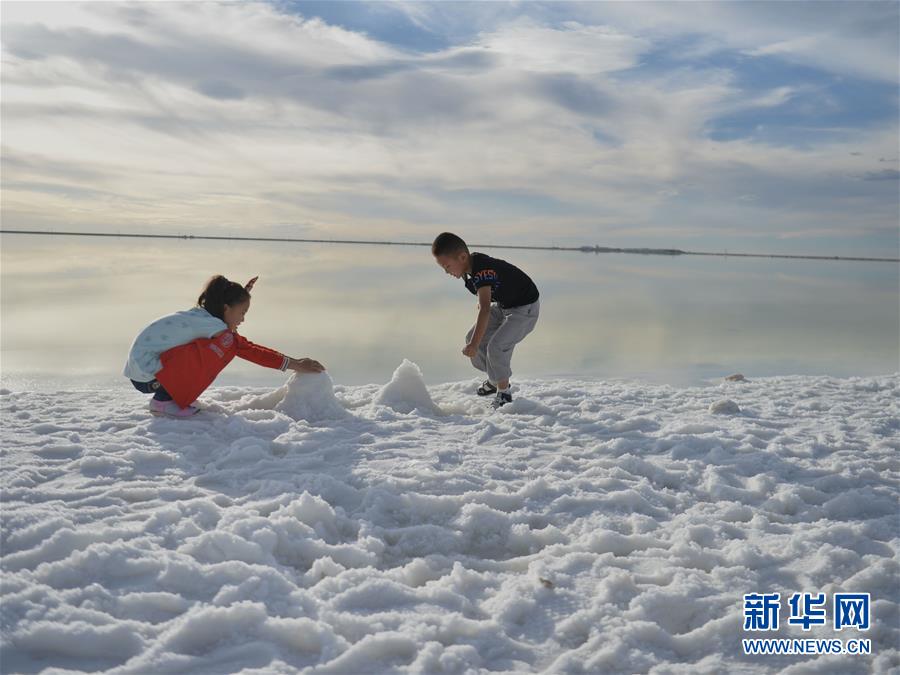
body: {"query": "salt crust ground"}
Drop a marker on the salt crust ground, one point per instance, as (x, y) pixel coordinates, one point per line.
(589, 527)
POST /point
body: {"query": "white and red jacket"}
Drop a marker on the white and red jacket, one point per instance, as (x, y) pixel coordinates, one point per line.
(185, 352)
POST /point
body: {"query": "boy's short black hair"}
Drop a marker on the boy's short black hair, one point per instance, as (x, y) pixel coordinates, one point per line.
(447, 243)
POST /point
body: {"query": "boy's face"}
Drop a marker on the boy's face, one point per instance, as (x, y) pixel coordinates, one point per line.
(454, 264)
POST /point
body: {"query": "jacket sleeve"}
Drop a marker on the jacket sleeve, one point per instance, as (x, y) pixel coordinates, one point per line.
(259, 354)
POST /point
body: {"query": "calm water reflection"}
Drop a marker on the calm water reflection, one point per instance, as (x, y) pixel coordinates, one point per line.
(70, 308)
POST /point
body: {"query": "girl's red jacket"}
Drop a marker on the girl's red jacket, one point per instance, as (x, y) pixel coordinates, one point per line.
(188, 369)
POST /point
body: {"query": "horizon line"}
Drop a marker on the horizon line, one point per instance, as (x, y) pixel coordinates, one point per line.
(596, 249)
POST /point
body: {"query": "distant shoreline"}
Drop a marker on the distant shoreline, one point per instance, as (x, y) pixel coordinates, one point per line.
(580, 249)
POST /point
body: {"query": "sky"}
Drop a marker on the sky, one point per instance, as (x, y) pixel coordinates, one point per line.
(745, 126)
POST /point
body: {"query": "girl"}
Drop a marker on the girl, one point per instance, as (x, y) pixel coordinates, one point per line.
(178, 356)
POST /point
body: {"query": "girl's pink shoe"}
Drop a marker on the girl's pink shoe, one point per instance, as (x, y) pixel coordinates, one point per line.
(171, 409)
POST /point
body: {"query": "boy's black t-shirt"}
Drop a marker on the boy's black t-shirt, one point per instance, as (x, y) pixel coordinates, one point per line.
(510, 286)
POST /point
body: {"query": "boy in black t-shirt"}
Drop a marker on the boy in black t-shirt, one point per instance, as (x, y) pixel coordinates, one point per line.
(508, 308)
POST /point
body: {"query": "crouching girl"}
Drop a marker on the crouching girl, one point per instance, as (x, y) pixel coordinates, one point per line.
(178, 356)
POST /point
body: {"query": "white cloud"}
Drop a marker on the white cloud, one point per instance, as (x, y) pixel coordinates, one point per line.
(192, 115)
(850, 38)
(576, 49)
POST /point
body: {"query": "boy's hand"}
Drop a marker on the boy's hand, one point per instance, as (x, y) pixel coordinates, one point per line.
(470, 350)
(306, 366)
(249, 285)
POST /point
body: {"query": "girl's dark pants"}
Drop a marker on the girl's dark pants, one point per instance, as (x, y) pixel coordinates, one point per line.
(152, 387)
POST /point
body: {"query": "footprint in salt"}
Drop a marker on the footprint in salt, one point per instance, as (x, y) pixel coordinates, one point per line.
(310, 397)
(406, 391)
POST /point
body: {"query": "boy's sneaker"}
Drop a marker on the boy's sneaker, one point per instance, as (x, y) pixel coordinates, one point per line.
(501, 399)
(171, 409)
(486, 389)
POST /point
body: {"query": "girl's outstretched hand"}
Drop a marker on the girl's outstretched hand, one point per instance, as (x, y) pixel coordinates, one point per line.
(306, 366)
(249, 285)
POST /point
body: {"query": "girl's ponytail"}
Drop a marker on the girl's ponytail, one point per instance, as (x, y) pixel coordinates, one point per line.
(220, 292)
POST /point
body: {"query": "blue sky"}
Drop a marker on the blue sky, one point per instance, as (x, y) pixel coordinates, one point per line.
(755, 126)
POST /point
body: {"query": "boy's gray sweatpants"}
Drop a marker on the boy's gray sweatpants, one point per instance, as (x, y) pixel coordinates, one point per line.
(506, 328)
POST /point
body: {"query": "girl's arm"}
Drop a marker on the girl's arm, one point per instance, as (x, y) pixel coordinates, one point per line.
(260, 355)
(269, 358)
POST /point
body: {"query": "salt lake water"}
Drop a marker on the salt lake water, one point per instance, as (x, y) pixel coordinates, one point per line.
(71, 307)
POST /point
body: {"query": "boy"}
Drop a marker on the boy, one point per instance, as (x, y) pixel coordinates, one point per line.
(507, 310)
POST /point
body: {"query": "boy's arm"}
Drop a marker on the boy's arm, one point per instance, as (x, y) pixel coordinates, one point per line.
(484, 312)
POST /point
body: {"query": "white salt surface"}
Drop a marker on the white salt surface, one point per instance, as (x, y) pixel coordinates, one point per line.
(589, 527)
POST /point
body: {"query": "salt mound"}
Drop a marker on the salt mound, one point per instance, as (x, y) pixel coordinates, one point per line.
(407, 391)
(725, 407)
(310, 397)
